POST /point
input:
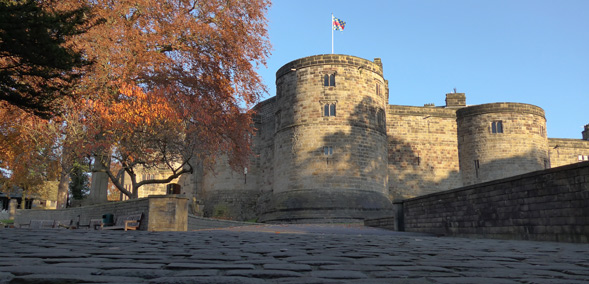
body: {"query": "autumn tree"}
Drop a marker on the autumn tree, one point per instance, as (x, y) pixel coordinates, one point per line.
(27, 155)
(172, 82)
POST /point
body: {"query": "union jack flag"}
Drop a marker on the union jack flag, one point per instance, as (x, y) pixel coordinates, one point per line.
(338, 25)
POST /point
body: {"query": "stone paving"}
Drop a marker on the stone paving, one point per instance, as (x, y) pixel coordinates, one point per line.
(282, 254)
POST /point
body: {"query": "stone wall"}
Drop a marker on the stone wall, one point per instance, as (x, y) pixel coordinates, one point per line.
(422, 151)
(567, 151)
(196, 223)
(160, 213)
(548, 205)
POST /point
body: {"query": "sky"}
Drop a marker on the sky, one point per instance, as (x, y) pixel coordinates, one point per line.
(523, 51)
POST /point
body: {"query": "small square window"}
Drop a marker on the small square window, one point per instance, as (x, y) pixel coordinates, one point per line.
(327, 150)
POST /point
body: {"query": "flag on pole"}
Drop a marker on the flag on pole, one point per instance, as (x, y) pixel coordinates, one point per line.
(338, 25)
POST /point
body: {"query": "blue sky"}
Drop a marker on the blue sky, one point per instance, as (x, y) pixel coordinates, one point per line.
(526, 51)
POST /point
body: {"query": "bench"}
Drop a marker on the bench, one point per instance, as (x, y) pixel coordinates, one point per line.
(47, 224)
(38, 224)
(128, 222)
(67, 224)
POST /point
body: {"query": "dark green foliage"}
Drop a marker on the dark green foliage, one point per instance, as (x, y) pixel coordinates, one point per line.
(36, 67)
(79, 183)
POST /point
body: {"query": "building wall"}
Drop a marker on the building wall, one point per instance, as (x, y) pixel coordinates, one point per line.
(380, 152)
(422, 150)
(567, 151)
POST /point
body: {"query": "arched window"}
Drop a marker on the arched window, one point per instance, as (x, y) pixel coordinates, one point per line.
(326, 80)
(332, 80)
(332, 110)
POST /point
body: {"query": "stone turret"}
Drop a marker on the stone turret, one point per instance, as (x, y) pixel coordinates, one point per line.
(499, 140)
(330, 142)
(586, 132)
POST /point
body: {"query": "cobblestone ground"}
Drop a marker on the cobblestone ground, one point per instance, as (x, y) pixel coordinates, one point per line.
(282, 254)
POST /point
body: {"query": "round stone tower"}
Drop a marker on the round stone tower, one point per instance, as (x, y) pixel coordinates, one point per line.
(499, 140)
(330, 143)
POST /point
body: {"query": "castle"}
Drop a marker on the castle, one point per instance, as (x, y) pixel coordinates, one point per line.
(329, 147)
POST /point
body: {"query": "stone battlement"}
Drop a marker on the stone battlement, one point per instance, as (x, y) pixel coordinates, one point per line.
(500, 108)
(331, 59)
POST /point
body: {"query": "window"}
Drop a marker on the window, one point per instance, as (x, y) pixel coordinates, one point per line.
(378, 91)
(497, 127)
(476, 168)
(277, 120)
(329, 80)
(329, 109)
(327, 150)
(380, 118)
(583, 158)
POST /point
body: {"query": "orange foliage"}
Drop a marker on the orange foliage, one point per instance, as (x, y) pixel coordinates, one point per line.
(171, 81)
(26, 148)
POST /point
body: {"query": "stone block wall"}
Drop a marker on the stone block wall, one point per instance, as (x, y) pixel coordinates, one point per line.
(160, 213)
(196, 223)
(567, 151)
(422, 151)
(548, 205)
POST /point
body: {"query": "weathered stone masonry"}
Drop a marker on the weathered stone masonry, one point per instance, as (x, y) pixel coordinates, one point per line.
(330, 147)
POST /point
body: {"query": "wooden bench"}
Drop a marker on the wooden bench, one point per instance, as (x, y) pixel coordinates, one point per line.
(38, 224)
(128, 222)
(67, 224)
(47, 224)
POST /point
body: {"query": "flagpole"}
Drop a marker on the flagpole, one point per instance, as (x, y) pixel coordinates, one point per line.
(331, 33)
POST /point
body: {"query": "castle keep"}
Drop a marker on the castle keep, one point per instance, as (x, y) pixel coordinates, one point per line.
(329, 146)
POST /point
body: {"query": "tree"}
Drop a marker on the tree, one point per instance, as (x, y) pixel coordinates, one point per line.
(79, 183)
(27, 155)
(170, 85)
(37, 66)
(172, 82)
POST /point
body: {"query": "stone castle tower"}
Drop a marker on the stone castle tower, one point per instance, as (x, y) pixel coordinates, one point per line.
(330, 144)
(329, 147)
(499, 138)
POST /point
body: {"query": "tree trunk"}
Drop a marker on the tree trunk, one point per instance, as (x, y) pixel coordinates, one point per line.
(62, 188)
(99, 186)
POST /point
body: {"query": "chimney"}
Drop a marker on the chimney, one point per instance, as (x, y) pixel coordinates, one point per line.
(586, 132)
(455, 100)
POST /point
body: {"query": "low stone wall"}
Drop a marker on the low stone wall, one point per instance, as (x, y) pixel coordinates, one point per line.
(201, 223)
(160, 213)
(384, 223)
(548, 205)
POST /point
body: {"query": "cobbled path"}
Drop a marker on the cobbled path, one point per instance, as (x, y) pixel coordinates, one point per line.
(282, 254)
